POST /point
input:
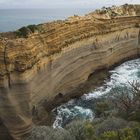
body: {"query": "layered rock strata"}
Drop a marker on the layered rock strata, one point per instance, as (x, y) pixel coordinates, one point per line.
(56, 58)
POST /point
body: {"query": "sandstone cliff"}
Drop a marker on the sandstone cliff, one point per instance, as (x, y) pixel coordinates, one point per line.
(40, 62)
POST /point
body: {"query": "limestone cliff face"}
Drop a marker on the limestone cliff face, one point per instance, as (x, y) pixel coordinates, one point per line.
(58, 57)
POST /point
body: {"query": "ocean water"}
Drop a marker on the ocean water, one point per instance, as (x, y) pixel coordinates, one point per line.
(82, 108)
(12, 19)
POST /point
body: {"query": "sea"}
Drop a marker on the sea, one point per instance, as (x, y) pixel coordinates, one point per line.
(13, 19)
(82, 108)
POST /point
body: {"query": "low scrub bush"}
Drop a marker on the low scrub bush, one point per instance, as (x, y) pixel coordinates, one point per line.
(48, 133)
(127, 101)
(110, 124)
(25, 31)
(33, 28)
(77, 129)
(100, 108)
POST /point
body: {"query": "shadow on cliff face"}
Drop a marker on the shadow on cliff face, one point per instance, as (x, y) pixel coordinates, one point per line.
(139, 38)
(94, 80)
(4, 134)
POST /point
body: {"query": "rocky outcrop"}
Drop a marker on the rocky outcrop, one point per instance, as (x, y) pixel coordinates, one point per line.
(117, 12)
(54, 58)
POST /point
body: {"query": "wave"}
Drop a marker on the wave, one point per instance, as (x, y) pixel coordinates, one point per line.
(81, 107)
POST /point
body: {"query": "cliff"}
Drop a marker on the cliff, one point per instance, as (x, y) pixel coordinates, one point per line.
(37, 63)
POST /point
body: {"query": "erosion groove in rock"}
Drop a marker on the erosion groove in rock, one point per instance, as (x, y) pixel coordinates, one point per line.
(58, 56)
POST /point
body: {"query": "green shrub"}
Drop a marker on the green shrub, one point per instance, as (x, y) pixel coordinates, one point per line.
(23, 32)
(48, 133)
(109, 135)
(61, 134)
(135, 115)
(101, 107)
(127, 101)
(90, 132)
(123, 134)
(136, 131)
(77, 129)
(127, 134)
(110, 124)
(33, 28)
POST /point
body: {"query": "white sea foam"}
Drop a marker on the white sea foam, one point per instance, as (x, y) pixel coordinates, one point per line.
(120, 76)
(70, 114)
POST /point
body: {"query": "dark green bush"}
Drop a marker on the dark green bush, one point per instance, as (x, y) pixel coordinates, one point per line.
(33, 28)
(23, 32)
(101, 107)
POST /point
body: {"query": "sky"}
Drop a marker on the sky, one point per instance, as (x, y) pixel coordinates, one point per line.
(27, 4)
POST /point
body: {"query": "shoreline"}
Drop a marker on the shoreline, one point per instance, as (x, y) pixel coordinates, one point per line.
(94, 80)
(44, 66)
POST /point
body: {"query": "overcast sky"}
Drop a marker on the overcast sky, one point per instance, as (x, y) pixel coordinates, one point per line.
(6, 4)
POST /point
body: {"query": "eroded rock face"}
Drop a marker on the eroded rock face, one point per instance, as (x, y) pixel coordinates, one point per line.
(117, 12)
(58, 57)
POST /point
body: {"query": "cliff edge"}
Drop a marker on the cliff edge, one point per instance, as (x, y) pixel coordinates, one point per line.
(38, 62)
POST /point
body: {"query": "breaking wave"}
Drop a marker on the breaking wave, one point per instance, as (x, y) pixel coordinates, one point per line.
(82, 108)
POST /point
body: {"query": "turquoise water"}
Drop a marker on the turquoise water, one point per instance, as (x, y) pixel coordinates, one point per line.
(82, 108)
(13, 19)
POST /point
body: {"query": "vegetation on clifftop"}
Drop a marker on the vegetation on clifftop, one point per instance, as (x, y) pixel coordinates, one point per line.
(25, 31)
